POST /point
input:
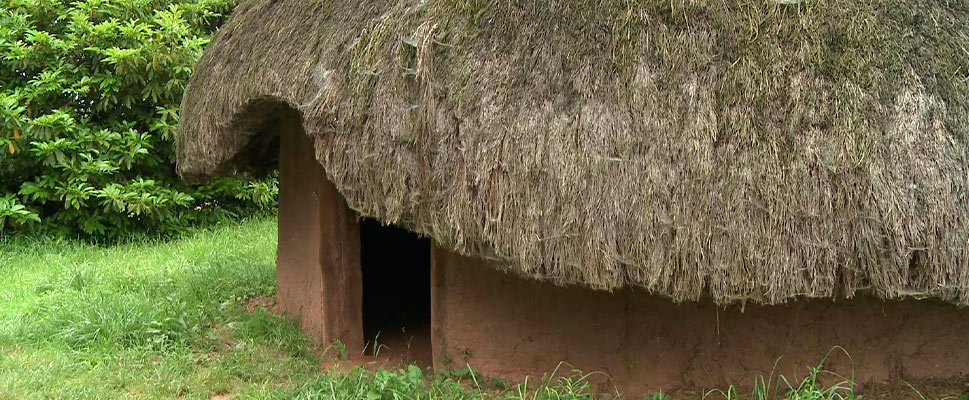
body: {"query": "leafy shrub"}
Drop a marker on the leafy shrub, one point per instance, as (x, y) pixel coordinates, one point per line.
(89, 95)
(14, 213)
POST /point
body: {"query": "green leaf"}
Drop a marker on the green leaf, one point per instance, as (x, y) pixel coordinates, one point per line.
(89, 96)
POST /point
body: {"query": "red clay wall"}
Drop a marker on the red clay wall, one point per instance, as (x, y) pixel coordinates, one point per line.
(318, 259)
(505, 326)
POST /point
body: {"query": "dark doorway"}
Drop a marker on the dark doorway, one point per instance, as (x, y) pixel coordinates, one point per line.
(396, 266)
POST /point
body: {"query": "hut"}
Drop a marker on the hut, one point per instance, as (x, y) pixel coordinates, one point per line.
(681, 193)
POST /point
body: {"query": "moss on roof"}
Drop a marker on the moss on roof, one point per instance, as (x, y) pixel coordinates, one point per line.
(745, 150)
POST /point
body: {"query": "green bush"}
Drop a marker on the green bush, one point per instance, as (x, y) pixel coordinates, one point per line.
(89, 95)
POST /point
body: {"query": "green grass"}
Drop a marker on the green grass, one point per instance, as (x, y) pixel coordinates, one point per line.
(146, 320)
(165, 319)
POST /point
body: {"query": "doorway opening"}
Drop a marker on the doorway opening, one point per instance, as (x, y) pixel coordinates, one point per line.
(396, 267)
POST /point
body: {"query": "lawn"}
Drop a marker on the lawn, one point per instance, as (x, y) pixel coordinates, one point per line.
(156, 319)
(146, 320)
(166, 319)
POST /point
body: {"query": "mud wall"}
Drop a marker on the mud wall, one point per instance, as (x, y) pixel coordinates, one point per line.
(318, 259)
(508, 327)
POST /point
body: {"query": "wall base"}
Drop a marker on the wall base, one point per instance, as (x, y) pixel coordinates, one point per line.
(504, 326)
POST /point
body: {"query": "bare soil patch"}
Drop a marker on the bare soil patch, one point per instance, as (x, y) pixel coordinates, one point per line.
(266, 302)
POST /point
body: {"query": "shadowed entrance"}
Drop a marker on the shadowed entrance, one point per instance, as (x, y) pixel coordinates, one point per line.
(396, 266)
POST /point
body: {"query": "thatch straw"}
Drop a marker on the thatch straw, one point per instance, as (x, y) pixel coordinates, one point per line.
(745, 150)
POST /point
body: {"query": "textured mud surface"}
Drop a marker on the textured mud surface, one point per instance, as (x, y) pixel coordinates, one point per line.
(318, 264)
(505, 326)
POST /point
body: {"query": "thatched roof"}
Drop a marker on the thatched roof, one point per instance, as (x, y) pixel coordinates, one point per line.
(743, 150)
